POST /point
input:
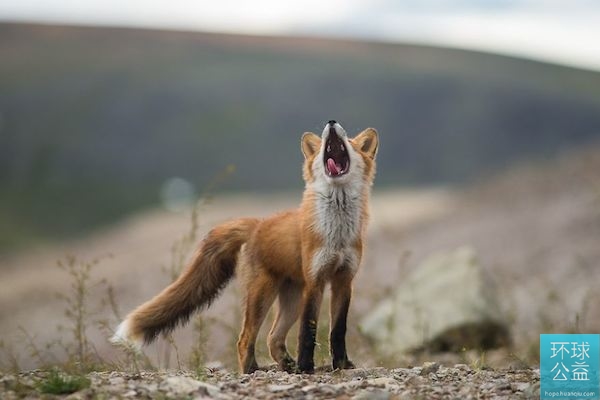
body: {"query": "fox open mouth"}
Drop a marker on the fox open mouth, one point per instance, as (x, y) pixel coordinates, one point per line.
(336, 159)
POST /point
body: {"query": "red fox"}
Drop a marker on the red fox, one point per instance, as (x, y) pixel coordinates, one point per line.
(290, 256)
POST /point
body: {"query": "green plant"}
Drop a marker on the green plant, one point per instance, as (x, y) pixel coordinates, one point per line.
(198, 352)
(59, 382)
(11, 357)
(474, 358)
(78, 311)
(479, 362)
(31, 346)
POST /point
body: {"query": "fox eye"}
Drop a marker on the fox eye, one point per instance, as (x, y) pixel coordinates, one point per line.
(342, 147)
(328, 148)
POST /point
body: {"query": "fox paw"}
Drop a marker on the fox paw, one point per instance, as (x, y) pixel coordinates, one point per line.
(343, 364)
(251, 368)
(306, 368)
(288, 365)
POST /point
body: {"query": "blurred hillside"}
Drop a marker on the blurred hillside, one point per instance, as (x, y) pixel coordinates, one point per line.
(93, 121)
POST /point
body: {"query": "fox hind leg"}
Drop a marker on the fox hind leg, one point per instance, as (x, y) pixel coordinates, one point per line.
(287, 313)
(259, 298)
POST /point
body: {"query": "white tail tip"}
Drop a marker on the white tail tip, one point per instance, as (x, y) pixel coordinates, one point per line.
(123, 337)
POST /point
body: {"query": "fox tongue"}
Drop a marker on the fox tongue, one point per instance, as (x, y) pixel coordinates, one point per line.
(333, 168)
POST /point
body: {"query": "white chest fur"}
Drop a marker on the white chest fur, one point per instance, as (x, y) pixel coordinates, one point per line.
(339, 210)
(339, 222)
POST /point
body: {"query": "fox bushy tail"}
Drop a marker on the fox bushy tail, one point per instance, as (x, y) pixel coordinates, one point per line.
(199, 284)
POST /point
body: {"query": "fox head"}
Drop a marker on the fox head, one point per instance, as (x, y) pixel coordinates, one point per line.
(335, 159)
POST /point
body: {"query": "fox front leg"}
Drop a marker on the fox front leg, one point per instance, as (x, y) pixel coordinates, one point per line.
(311, 300)
(341, 293)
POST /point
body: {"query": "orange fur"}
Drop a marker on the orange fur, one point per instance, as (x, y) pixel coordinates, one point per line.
(290, 256)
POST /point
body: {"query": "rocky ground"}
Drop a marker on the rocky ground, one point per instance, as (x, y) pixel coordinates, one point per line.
(429, 381)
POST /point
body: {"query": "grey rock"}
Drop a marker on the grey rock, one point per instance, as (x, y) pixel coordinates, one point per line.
(355, 373)
(328, 389)
(259, 374)
(373, 395)
(280, 388)
(520, 386)
(309, 388)
(212, 390)
(429, 368)
(180, 385)
(382, 381)
(148, 387)
(117, 380)
(446, 303)
(532, 392)
(350, 384)
(462, 367)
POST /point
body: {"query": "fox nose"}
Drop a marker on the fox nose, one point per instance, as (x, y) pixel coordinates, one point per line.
(332, 122)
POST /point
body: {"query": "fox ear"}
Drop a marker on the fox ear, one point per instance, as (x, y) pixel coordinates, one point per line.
(310, 144)
(368, 142)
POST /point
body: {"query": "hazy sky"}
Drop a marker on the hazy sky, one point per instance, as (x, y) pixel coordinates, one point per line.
(564, 31)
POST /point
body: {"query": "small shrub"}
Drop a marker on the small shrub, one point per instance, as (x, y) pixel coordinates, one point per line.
(60, 383)
(197, 357)
(11, 357)
(78, 311)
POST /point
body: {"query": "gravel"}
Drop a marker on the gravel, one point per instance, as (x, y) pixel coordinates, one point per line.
(430, 381)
